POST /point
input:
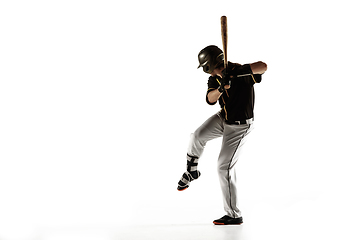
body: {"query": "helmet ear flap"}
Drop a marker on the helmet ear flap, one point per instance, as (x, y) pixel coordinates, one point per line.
(206, 68)
(220, 57)
(219, 60)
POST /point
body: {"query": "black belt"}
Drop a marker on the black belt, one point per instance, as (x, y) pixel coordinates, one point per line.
(247, 121)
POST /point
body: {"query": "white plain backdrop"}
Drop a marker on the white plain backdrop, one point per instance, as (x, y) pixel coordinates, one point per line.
(98, 99)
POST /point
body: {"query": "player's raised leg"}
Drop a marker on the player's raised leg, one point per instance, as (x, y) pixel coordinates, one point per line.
(210, 129)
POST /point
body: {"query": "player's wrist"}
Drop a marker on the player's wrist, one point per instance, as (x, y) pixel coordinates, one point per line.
(220, 89)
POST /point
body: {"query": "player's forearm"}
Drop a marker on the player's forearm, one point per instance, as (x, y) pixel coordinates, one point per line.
(213, 96)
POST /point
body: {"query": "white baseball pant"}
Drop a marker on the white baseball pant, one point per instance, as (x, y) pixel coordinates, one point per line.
(234, 137)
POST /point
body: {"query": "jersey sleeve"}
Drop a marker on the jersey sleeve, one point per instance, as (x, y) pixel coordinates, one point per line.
(213, 84)
(246, 69)
(257, 78)
(243, 69)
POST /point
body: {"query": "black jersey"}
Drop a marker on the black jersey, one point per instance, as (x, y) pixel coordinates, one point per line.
(237, 103)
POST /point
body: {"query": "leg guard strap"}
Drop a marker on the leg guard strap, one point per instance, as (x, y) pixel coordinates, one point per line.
(192, 163)
(186, 178)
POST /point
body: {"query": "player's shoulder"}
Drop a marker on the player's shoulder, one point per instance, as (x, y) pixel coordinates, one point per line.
(213, 82)
(212, 78)
(233, 65)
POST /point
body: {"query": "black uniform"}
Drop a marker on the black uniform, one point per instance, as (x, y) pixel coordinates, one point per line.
(237, 103)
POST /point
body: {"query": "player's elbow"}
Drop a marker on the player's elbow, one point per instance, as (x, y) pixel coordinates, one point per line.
(264, 66)
(211, 98)
(258, 67)
(210, 102)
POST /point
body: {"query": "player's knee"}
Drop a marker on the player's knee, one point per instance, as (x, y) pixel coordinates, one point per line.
(222, 168)
(221, 171)
(198, 136)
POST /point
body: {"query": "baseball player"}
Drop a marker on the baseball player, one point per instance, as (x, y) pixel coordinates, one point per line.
(234, 90)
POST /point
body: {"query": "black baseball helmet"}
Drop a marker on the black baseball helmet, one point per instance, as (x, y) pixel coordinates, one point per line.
(210, 58)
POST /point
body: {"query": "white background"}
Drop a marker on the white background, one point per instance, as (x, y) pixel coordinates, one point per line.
(98, 99)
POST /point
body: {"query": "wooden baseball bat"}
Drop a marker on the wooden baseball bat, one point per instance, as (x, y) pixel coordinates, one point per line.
(224, 37)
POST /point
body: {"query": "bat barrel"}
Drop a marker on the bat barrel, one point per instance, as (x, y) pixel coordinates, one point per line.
(224, 38)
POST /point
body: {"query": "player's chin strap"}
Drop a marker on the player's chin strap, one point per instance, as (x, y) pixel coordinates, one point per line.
(191, 174)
